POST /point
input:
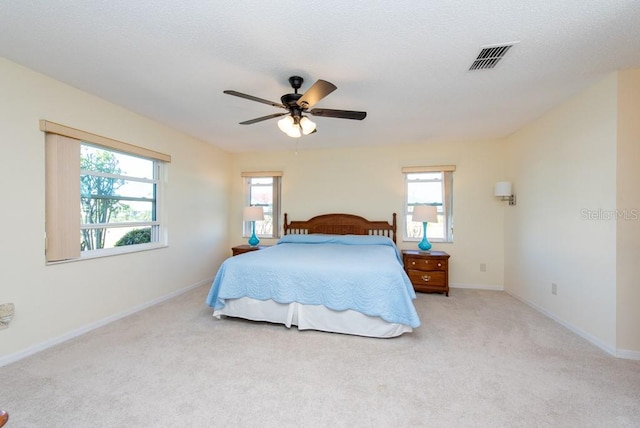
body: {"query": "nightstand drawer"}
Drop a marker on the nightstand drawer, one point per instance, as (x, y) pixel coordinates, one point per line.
(433, 278)
(425, 264)
(428, 271)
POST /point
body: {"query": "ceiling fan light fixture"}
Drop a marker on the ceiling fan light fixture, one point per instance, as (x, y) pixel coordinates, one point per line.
(295, 126)
(286, 124)
(307, 125)
(295, 132)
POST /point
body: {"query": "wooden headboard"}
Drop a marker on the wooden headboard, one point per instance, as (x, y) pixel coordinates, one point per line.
(341, 224)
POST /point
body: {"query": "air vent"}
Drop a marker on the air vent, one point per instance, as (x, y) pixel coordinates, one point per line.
(489, 56)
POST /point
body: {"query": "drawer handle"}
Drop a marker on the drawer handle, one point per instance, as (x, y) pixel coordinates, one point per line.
(425, 278)
(439, 264)
(413, 263)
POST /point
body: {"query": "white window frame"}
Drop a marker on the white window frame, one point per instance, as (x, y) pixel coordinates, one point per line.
(63, 220)
(445, 209)
(274, 208)
(155, 225)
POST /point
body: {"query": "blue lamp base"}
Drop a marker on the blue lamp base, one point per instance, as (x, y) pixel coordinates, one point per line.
(253, 241)
(424, 245)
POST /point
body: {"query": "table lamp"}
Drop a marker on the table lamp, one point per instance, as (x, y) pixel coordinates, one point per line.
(425, 214)
(253, 214)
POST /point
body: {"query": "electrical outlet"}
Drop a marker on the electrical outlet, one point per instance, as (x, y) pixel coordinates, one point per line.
(483, 267)
(554, 288)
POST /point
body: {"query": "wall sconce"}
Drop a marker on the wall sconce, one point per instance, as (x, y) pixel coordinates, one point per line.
(502, 190)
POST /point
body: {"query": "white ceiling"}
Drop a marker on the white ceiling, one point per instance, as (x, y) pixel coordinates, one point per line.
(405, 63)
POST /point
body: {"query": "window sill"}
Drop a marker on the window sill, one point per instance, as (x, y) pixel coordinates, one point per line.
(109, 252)
(433, 241)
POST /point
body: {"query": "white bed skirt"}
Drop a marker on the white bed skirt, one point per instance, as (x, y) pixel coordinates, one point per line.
(311, 317)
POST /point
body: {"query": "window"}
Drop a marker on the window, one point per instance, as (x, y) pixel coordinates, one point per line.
(102, 196)
(432, 186)
(118, 199)
(263, 189)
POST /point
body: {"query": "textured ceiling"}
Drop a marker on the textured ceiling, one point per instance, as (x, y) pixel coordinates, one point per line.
(405, 63)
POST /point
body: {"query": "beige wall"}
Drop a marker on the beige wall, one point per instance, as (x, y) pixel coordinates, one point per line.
(368, 182)
(54, 301)
(564, 170)
(628, 202)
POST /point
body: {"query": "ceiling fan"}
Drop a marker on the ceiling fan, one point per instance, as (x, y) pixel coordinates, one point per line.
(295, 124)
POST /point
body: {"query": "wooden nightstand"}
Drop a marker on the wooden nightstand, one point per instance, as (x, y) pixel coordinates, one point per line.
(428, 272)
(241, 249)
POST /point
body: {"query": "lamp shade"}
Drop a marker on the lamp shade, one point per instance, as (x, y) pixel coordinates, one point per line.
(502, 188)
(307, 125)
(425, 213)
(253, 214)
(295, 132)
(286, 124)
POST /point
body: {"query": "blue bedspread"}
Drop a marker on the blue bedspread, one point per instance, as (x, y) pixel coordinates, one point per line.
(362, 273)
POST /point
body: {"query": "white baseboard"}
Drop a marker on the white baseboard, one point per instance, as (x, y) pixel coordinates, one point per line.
(477, 286)
(627, 354)
(619, 353)
(11, 358)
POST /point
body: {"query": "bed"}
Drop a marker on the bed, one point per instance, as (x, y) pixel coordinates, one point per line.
(338, 273)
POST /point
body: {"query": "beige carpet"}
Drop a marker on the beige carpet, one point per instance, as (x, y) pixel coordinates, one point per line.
(480, 359)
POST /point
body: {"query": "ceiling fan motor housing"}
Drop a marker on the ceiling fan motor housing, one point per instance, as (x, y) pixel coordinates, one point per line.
(296, 82)
(290, 100)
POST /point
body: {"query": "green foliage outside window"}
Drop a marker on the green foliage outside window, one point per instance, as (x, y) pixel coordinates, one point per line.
(136, 236)
(95, 191)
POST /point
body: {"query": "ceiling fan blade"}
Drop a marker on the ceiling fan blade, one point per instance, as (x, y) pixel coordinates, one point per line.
(341, 114)
(252, 98)
(260, 119)
(315, 93)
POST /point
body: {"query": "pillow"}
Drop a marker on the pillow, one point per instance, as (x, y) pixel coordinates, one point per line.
(321, 238)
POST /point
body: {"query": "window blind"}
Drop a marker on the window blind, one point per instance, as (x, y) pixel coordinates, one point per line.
(435, 168)
(261, 174)
(62, 188)
(56, 128)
